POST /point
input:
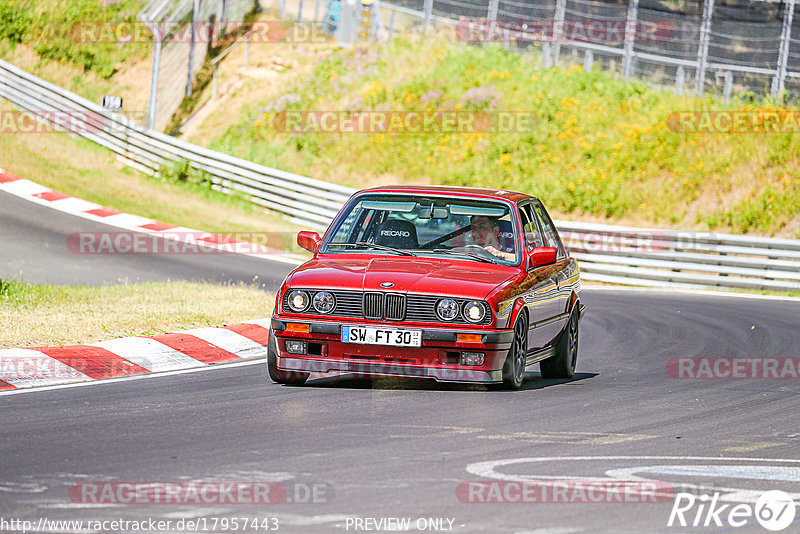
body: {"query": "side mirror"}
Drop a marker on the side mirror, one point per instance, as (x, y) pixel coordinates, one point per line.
(542, 256)
(310, 241)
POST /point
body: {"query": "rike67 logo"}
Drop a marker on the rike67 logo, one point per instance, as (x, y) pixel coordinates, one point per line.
(774, 510)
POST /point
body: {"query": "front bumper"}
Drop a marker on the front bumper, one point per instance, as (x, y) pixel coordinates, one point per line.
(438, 357)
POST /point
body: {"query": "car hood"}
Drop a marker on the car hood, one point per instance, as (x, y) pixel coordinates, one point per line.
(429, 276)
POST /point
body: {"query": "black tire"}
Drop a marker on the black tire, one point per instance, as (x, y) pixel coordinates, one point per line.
(562, 365)
(290, 378)
(514, 366)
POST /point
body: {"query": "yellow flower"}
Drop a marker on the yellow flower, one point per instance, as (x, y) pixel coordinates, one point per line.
(534, 78)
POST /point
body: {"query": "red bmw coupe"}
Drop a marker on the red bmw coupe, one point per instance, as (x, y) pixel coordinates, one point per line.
(451, 283)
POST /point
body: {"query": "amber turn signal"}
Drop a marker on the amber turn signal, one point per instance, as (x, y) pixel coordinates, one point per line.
(468, 338)
(297, 327)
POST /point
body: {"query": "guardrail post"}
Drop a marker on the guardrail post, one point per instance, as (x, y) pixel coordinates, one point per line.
(558, 27)
(316, 10)
(214, 82)
(391, 25)
(151, 104)
(588, 60)
(630, 37)
(702, 52)
(300, 11)
(428, 9)
(680, 80)
(778, 81)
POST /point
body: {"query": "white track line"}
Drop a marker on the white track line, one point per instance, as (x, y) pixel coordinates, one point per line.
(230, 341)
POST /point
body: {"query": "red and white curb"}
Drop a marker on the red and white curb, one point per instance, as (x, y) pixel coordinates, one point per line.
(28, 190)
(130, 356)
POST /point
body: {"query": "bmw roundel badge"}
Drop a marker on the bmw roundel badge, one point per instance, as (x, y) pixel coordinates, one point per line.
(387, 284)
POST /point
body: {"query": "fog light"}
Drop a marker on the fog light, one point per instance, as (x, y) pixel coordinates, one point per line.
(298, 327)
(472, 358)
(294, 346)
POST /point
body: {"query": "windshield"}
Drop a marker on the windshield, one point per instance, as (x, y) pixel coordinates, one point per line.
(476, 230)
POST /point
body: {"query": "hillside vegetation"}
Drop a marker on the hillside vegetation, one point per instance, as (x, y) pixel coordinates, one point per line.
(597, 148)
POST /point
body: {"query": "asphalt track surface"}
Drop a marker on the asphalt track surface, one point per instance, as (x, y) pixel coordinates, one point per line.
(396, 448)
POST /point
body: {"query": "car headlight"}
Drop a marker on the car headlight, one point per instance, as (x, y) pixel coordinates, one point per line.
(298, 300)
(474, 311)
(447, 309)
(324, 302)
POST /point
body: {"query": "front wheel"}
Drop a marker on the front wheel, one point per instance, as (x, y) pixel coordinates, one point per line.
(514, 366)
(290, 378)
(562, 365)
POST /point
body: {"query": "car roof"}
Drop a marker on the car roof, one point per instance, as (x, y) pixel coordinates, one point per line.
(455, 191)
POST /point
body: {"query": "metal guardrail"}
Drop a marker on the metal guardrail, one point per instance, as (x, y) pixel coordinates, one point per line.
(707, 42)
(616, 254)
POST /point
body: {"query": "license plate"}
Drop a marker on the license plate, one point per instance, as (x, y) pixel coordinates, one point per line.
(369, 335)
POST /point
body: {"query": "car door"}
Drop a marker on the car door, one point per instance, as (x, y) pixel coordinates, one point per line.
(541, 296)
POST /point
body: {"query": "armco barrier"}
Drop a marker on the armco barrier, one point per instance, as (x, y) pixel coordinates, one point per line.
(615, 254)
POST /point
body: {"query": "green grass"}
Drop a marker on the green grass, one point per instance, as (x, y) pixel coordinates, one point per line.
(598, 148)
(43, 315)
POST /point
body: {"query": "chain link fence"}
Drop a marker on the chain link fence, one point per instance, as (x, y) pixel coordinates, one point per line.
(749, 48)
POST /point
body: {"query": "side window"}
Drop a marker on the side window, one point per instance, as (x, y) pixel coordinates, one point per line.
(533, 238)
(550, 235)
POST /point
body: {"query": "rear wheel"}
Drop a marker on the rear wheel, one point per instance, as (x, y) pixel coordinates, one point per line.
(514, 366)
(290, 378)
(562, 365)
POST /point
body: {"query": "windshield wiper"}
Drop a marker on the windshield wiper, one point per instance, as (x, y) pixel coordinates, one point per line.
(469, 254)
(364, 244)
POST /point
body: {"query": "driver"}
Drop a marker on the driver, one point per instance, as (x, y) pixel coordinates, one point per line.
(485, 233)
